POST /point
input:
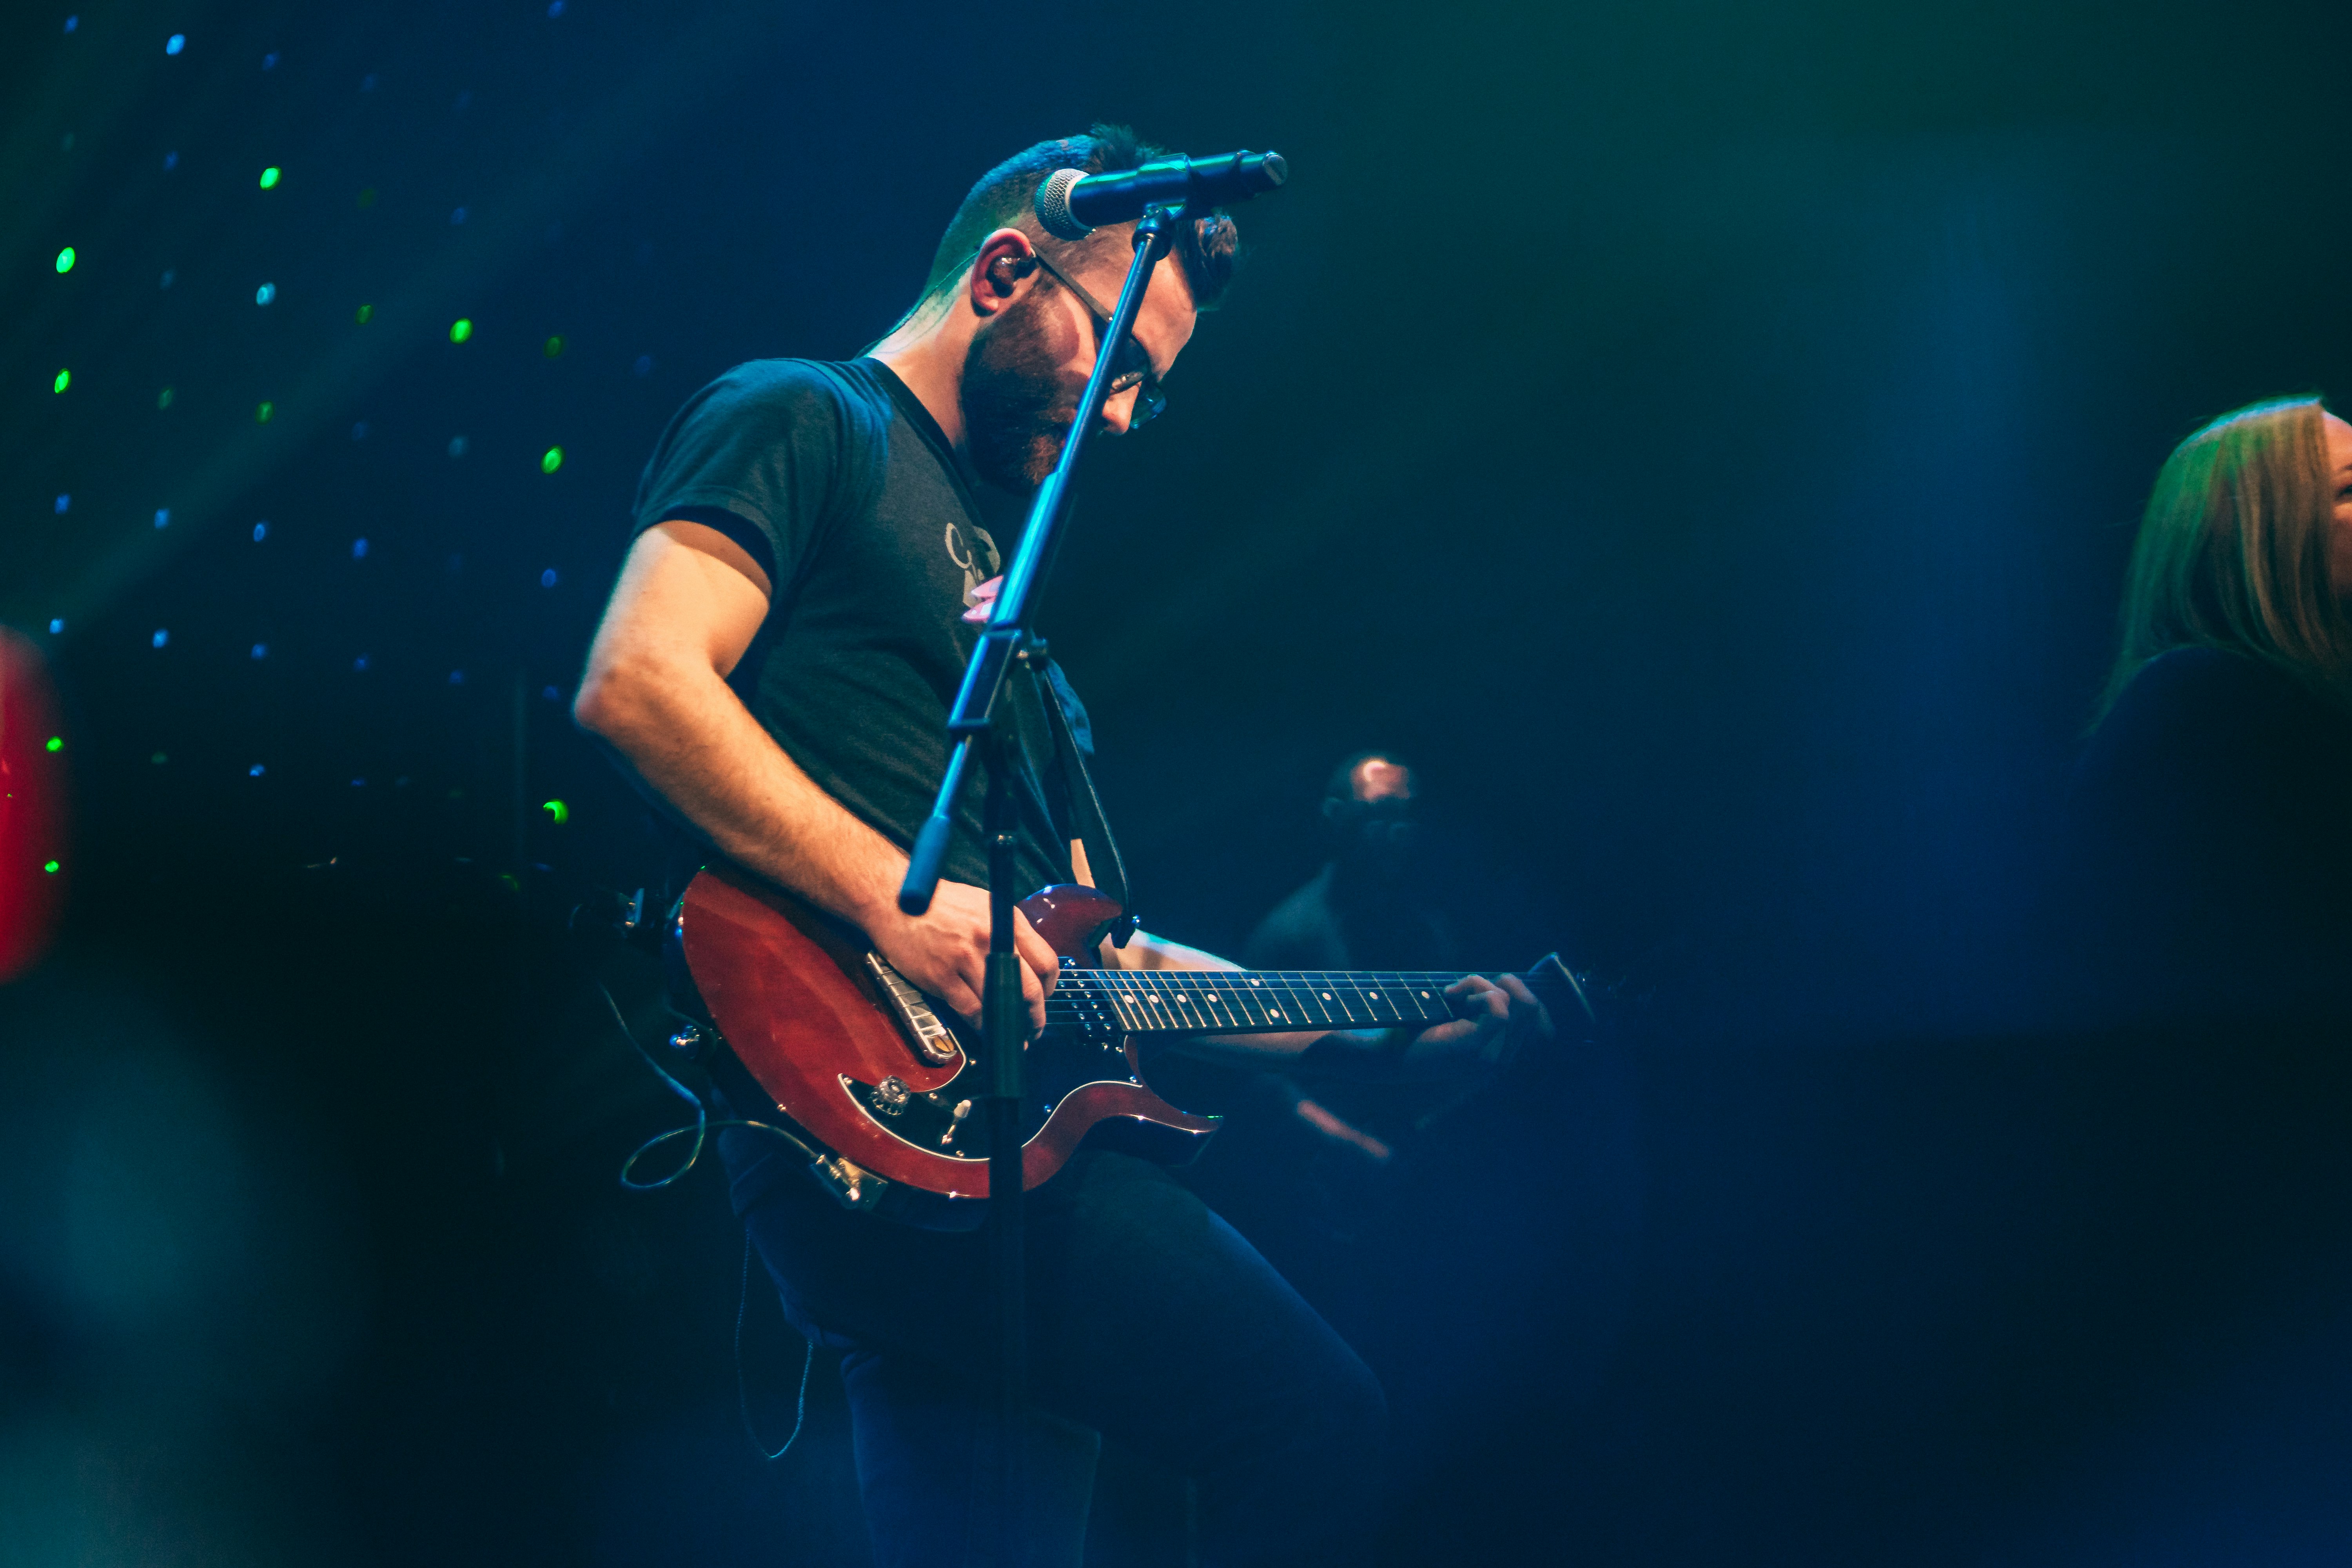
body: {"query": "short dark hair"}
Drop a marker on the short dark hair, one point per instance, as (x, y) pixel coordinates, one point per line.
(1208, 247)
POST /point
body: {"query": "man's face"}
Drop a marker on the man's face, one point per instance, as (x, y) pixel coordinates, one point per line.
(1028, 366)
(1375, 827)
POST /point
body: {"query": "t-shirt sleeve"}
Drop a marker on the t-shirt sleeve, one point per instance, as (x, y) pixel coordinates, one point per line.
(761, 454)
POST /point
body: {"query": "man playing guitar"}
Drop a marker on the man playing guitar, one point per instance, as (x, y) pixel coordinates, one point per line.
(774, 666)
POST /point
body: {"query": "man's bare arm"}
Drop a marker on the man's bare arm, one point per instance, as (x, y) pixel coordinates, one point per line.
(688, 604)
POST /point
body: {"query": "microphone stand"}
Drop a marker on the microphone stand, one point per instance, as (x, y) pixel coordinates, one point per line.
(1004, 1016)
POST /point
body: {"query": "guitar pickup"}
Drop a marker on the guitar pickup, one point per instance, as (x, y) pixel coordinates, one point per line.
(927, 1036)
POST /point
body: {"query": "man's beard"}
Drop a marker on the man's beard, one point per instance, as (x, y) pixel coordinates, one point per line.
(1016, 416)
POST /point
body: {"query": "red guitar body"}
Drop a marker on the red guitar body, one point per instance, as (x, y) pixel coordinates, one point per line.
(816, 1032)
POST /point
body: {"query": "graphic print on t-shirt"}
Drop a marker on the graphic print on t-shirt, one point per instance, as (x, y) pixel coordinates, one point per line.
(968, 558)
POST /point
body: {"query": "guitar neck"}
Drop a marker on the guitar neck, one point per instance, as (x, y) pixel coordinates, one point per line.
(1246, 1001)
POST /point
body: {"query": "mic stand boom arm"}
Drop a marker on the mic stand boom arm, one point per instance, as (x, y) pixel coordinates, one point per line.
(1004, 1016)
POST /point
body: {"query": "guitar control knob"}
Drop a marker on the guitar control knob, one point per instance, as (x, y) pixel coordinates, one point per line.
(890, 1097)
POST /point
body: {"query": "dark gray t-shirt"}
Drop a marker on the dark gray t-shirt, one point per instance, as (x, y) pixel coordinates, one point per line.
(841, 485)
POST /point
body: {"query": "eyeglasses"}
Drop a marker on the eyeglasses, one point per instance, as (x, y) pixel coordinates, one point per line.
(1133, 366)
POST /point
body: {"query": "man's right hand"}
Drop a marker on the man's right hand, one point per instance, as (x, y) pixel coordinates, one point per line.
(945, 952)
(687, 607)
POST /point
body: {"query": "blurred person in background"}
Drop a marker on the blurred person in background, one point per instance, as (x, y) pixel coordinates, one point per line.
(1308, 1156)
(1366, 908)
(2212, 852)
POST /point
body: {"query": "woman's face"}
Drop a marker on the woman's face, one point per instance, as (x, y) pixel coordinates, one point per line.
(2339, 536)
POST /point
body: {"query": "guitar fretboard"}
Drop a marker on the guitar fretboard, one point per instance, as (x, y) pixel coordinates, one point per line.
(1243, 1001)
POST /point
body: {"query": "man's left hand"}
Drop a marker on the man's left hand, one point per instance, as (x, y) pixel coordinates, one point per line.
(1502, 1013)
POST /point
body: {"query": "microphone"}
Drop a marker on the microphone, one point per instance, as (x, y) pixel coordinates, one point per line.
(1073, 204)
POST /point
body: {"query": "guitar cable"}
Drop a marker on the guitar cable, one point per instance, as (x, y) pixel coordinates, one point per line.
(703, 1127)
(742, 1390)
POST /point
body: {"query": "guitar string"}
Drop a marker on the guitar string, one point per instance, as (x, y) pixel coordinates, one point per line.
(1349, 998)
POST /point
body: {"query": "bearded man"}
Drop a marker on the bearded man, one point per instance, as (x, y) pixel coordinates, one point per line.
(792, 618)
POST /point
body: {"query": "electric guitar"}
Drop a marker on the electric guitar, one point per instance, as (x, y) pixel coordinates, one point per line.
(812, 1026)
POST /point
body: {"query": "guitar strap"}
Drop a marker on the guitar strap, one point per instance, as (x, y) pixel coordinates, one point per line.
(1071, 751)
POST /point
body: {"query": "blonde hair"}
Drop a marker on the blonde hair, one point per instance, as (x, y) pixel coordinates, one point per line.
(2233, 552)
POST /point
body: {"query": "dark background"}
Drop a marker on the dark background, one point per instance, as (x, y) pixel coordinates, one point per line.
(1707, 437)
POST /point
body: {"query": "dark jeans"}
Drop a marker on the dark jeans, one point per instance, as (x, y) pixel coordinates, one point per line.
(1150, 1320)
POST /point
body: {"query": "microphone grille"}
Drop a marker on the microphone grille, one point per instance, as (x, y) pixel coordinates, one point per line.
(1054, 206)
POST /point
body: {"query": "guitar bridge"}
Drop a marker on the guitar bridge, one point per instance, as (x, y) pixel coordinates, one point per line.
(927, 1036)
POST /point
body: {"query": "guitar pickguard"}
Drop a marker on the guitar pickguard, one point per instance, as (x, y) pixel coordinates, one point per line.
(940, 1121)
(948, 1120)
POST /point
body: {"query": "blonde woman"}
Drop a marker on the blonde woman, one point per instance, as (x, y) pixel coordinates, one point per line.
(2209, 802)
